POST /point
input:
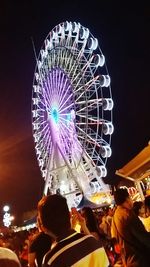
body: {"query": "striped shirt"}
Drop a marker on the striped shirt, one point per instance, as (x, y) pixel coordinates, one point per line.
(77, 250)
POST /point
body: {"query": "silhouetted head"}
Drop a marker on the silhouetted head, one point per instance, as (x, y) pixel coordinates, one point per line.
(138, 208)
(54, 215)
(122, 197)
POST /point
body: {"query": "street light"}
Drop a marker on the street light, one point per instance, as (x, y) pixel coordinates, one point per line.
(7, 218)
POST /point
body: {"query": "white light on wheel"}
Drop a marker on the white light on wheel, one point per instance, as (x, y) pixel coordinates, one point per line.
(108, 104)
(92, 43)
(101, 171)
(106, 151)
(108, 128)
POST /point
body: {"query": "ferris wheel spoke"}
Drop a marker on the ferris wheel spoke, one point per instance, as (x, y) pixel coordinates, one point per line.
(50, 145)
(64, 124)
(89, 123)
(62, 53)
(83, 69)
(90, 104)
(48, 142)
(80, 54)
(64, 139)
(89, 138)
(74, 46)
(66, 108)
(66, 101)
(45, 128)
(94, 120)
(60, 91)
(74, 70)
(86, 86)
(46, 93)
(90, 120)
(71, 67)
(65, 90)
(70, 62)
(58, 82)
(65, 58)
(68, 59)
(97, 157)
(44, 136)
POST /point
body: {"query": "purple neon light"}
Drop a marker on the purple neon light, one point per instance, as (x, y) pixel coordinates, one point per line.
(58, 100)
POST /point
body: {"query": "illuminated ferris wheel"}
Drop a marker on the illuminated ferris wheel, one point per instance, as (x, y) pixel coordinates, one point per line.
(72, 113)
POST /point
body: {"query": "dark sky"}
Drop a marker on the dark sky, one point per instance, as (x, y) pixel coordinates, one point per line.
(123, 32)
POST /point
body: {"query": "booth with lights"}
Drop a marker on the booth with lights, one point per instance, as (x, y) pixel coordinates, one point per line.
(138, 172)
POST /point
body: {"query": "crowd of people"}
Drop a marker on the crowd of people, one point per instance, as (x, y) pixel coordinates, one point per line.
(118, 236)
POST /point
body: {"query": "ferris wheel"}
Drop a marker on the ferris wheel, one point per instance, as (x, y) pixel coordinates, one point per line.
(72, 113)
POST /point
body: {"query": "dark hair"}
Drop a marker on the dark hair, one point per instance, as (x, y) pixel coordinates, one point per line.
(137, 206)
(54, 213)
(120, 195)
(147, 202)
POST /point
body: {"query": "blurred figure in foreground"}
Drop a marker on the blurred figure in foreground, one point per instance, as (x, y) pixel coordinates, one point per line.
(105, 225)
(71, 248)
(146, 221)
(38, 247)
(91, 222)
(8, 258)
(139, 209)
(129, 231)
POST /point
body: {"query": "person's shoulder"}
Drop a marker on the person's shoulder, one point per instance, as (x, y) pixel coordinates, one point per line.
(146, 222)
(44, 236)
(79, 245)
(9, 256)
(47, 257)
(122, 212)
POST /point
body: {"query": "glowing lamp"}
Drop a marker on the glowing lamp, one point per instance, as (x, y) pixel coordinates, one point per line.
(67, 26)
(106, 151)
(108, 104)
(6, 208)
(108, 128)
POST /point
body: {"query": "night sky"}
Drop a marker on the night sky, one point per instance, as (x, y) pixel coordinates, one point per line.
(124, 37)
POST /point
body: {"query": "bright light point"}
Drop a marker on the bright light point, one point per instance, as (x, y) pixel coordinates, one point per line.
(106, 151)
(72, 114)
(6, 208)
(101, 171)
(108, 128)
(63, 186)
(55, 115)
(108, 104)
